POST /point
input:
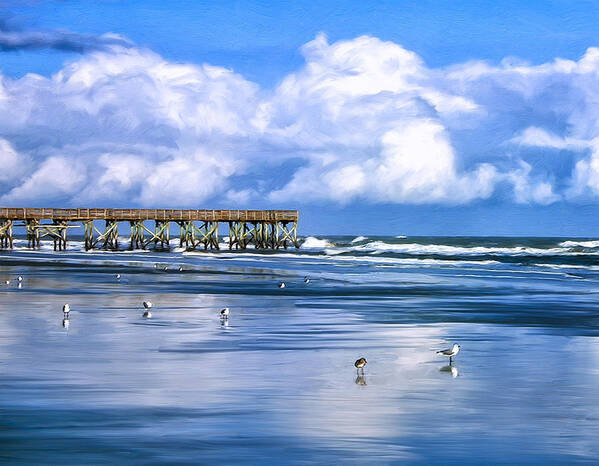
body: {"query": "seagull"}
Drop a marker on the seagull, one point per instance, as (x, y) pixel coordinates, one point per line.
(65, 310)
(181, 269)
(147, 305)
(306, 280)
(19, 278)
(224, 313)
(118, 276)
(165, 268)
(360, 363)
(155, 266)
(451, 352)
(7, 282)
(282, 285)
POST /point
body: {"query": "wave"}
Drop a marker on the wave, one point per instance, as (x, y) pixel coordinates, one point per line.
(376, 247)
(312, 242)
(581, 244)
(359, 239)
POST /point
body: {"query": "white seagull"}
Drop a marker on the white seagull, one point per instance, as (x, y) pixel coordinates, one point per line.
(147, 306)
(224, 313)
(306, 280)
(19, 278)
(181, 269)
(282, 285)
(7, 282)
(451, 352)
(118, 276)
(65, 310)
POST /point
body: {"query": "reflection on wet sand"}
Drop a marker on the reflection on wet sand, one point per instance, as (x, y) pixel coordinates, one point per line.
(361, 380)
(451, 369)
(279, 389)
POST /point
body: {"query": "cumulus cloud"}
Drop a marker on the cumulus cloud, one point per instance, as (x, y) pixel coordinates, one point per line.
(362, 120)
(57, 178)
(368, 109)
(13, 164)
(147, 131)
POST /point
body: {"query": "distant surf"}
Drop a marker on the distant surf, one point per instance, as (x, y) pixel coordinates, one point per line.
(384, 250)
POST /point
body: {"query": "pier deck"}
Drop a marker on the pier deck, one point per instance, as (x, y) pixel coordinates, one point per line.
(264, 229)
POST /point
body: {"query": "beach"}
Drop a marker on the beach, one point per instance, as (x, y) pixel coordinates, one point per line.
(275, 383)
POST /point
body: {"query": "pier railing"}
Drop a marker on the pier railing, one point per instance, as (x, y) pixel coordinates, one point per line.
(264, 229)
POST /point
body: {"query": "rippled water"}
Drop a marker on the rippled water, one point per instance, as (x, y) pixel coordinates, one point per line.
(276, 383)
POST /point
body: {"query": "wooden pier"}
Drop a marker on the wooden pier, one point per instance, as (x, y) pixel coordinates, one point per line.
(264, 229)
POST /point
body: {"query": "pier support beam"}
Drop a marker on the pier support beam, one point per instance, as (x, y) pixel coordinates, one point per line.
(5, 234)
(161, 233)
(288, 234)
(109, 239)
(57, 231)
(240, 235)
(137, 235)
(261, 235)
(33, 233)
(111, 235)
(191, 236)
(139, 240)
(209, 235)
(88, 234)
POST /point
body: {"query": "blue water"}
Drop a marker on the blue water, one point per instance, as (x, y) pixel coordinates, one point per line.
(276, 383)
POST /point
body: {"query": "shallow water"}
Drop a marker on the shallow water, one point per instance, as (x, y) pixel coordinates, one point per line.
(276, 383)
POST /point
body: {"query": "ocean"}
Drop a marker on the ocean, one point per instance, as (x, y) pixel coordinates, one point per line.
(275, 383)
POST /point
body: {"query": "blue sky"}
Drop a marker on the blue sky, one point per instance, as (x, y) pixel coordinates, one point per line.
(405, 117)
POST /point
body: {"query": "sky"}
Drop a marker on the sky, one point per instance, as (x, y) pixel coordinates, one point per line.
(370, 117)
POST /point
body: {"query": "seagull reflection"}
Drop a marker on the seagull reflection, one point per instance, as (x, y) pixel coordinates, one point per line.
(224, 323)
(451, 369)
(361, 380)
(66, 323)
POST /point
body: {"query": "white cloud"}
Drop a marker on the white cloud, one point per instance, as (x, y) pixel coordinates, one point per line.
(369, 107)
(56, 178)
(13, 165)
(538, 137)
(136, 128)
(362, 120)
(529, 191)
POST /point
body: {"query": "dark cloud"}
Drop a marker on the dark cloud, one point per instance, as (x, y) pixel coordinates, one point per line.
(14, 40)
